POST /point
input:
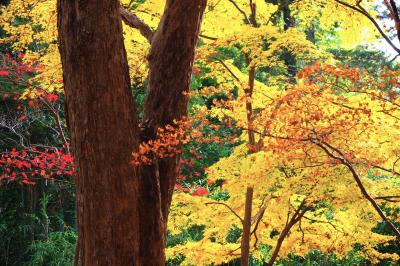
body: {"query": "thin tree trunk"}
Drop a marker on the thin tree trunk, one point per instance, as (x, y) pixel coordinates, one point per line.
(310, 33)
(249, 107)
(289, 58)
(171, 59)
(104, 131)
(245, 243)
(250, 88)
(253, 16)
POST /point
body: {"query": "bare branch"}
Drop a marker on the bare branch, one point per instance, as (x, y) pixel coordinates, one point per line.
(389, 198)
(327, 148)
(391, 5)
(394, 58)
(57, 120)
(227, 68)
(256, 219)
(337, 228)
(208, 37)
(134, 21)
(240, 10)
(385, 169)
(362, 11)
(226, 205)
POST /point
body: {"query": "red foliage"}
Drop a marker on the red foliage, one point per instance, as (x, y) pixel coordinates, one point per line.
(32, 163)
(4, 73)
(182, 188)
(210, 182)
(200, 191)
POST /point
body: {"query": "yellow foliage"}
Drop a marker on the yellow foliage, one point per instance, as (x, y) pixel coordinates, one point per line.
(283, 171)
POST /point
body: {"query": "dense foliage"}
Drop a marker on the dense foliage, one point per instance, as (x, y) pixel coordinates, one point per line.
(287, 98)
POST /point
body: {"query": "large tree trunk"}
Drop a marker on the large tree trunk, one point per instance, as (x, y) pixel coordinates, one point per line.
(171, 58)
(122, 211)
(104, 131)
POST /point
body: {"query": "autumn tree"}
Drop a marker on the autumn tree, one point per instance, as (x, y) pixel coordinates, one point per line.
(314, 151)
(123, 207)
(122, 210)
(385, 19)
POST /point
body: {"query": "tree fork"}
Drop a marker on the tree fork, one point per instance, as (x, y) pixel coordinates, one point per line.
(123, 210)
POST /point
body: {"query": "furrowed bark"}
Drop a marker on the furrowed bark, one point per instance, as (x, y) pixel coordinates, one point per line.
(123, 211)
(171, 59)
(104, 131)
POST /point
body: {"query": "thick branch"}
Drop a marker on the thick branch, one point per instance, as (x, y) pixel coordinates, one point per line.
(134, 21)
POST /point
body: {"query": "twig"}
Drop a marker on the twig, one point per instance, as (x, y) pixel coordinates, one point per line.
(226, 205)
(227, 68)
(241, 11)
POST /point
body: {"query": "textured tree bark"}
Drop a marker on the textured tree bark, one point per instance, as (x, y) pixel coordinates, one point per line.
(122, 211)
(104, 131)
(171, 59)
